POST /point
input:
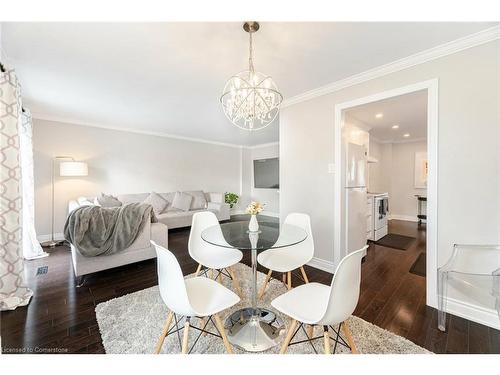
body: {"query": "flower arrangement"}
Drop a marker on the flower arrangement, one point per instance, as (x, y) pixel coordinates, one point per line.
(254, 208)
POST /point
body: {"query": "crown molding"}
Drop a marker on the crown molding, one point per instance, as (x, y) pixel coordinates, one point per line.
(469, 41)
(45, 117)
(261, 145)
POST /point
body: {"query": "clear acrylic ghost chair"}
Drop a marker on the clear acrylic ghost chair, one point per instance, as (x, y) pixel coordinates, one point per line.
(198, 297)
(289, 258)
(316, 304)
(210, 257)
(474, 272)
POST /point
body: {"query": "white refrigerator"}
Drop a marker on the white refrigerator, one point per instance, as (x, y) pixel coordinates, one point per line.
(355, 193)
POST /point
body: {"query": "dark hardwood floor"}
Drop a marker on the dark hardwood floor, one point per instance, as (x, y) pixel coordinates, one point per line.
(61, 318)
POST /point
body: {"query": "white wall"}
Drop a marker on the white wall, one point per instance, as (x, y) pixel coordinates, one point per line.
(268, 196)
(403, 203)
(468, 151)
(123, 162)
(394, 174)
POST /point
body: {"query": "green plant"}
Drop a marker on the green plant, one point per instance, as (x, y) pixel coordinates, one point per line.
(231, 199)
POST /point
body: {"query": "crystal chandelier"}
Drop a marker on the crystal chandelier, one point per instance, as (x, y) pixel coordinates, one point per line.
(250, 99)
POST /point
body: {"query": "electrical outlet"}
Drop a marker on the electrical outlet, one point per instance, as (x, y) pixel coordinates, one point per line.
(331, 168)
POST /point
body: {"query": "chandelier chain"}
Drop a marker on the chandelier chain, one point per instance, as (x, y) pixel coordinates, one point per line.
(250, 54)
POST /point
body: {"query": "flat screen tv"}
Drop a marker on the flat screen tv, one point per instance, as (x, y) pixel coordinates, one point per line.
(266, 173)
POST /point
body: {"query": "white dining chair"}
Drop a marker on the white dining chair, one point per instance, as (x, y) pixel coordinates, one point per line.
(216, 259)
(289, 258)
(317, 304)
(198, 297)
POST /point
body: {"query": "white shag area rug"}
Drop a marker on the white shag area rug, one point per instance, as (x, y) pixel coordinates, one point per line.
(134, 322)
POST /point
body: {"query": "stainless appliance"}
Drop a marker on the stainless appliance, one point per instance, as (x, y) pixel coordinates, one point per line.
(355, 197)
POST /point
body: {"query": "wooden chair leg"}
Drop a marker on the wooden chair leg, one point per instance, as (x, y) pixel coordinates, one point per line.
(185, 337)
(197, 270)
(283, 278)
(222, 332)
(310, 331)
(236, 283)
(326, 338)
(304, 274)
(264, 286)
(219, 277)
(211, 273)
(166, 327)
(288, 337)
(350, 340)
(289, 275)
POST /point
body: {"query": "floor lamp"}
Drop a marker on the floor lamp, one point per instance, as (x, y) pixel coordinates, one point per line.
(68, 167)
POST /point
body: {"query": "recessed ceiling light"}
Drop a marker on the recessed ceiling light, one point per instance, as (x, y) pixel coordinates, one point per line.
(395, 126)
(406, 135)
(379, 115)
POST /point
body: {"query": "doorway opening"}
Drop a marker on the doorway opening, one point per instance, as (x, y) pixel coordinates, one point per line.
(386, 179)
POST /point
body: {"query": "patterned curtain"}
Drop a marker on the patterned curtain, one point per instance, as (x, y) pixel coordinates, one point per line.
(31, 246)
(13, 291)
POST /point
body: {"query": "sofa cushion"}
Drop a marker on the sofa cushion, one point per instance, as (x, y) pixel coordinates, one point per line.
(85, 201)
(176, 213)
(169, 197)
(106, 200)
(199, 201)
(182, 201)
(157, 202)
(132, 198)
(215, 197)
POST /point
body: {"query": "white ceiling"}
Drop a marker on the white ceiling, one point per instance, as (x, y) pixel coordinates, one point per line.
(408, 111)
(167, 77)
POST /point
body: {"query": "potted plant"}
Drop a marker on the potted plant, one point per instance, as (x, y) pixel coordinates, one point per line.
(231, 199)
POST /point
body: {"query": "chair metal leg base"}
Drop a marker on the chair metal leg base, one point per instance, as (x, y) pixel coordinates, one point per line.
(218, 273)
(337, 339)
(177, 328)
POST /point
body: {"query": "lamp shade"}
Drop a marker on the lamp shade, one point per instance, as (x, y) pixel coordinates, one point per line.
(73, 168)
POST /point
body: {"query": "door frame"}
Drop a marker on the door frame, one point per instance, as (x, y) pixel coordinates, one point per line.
(431, 86)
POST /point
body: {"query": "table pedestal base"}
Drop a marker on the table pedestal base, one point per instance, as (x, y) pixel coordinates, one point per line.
(254, 330)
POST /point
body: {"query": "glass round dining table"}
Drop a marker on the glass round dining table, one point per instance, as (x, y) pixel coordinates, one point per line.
(254, 328)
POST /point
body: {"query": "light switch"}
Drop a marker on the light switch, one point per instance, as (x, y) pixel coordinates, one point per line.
(331, 168)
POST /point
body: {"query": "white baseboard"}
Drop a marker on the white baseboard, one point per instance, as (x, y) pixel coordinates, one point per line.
(47, 237)
(321, 264)
(478, 314)
(403, 217)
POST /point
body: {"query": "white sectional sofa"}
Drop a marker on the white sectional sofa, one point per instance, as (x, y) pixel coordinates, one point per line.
(176, 218)
(141, 248)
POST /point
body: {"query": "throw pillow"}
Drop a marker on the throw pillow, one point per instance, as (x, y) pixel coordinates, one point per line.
(108, 201)
(84, 201)
(182, 201)
(157, 201)
(199, 201)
